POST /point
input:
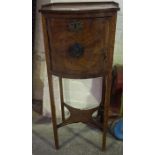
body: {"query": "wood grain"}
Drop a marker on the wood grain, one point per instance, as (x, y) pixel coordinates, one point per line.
(79, 43)
(93, 37)
(50, 83)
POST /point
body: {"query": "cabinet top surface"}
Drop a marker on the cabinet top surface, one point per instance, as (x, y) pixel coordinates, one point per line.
(80, 7)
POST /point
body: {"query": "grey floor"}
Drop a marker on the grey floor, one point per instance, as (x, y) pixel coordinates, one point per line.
(74, 139)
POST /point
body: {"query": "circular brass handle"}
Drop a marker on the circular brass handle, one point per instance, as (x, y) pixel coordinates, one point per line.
(76, 50)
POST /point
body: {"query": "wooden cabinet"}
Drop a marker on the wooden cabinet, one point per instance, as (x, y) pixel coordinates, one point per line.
(79, 46)
(79, 42)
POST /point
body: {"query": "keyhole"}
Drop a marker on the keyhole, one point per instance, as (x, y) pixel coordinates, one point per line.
(75, 26)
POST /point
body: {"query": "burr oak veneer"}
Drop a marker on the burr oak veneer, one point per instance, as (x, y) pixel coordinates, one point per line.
(79, 43)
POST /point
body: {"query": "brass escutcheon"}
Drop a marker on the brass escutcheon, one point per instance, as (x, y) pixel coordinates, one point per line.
(75, 26)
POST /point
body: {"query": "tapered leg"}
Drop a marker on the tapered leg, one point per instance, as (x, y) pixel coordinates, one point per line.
(50, 83)
(62, 99)
(106, 109)
(53, 111)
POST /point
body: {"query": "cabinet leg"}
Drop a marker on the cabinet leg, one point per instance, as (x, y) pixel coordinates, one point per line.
(50, 83)
(62, 99)
(55, 134)
(53, 112)
(106, 109)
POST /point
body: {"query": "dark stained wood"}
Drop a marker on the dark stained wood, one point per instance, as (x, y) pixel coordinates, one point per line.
(78, 115)
(53, 111)
(111, 41)
(106, 109)
(95, 44)
(62, 99)
(79, 43)
(79, 15)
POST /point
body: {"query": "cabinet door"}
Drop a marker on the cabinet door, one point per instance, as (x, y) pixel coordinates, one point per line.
(78, 47)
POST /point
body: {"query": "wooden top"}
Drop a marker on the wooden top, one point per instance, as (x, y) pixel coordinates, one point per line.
(80, 7)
